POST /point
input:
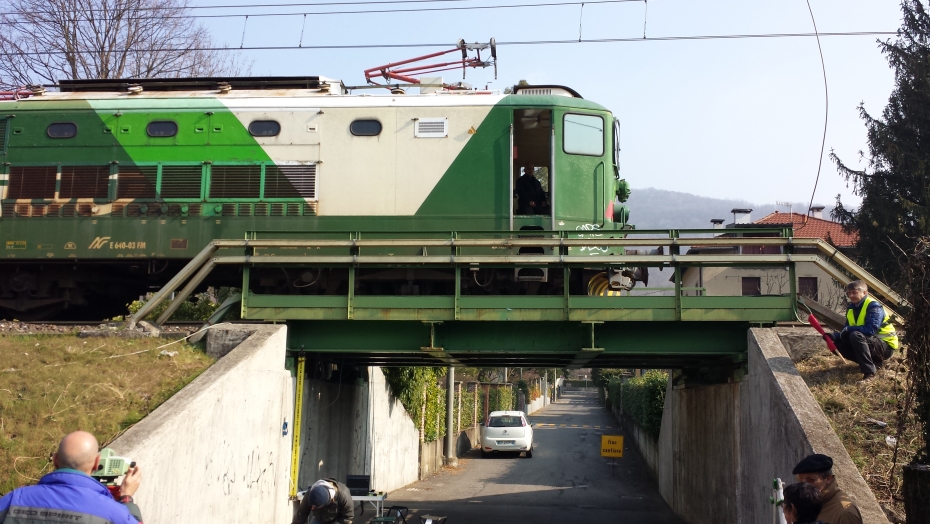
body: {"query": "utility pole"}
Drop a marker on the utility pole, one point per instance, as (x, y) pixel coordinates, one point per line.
(451, 456)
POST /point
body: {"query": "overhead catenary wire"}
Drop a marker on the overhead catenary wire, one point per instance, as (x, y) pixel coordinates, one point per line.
(35, 18)
(826, 95)
(499, 44)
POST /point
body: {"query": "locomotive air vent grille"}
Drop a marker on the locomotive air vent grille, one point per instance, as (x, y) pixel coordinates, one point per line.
(290, 181)
(85, 210)
(181, 181)
(194, 210)
(229, 210)
(84, 181)
(32, 182)
(54, 210)
(277, 210)
(67, 210)
(136, 182)
(117, 210)
(537, 91)
(235, 181)
(22, 210)
(310, 208)
(154, 210)
(133, 210)
(261, 210)
(39, 211)
(245, 210)
(3, 125)
(432, 128)
(7, 210)
(293, 210)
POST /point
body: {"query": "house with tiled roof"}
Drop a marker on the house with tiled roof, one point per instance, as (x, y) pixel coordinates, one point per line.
(812, 281)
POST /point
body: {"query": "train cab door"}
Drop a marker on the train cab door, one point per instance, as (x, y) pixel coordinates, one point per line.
(532, 189)
(531, 170)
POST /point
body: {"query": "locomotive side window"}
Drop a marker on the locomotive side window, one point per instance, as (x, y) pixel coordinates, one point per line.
(365, 128)
(32, 182)
(264, 128)
(162, 128)
(84, 182)
(583, 135)
(62, 130)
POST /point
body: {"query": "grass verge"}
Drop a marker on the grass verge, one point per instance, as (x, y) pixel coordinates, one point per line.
(856, 412)
(52, 385)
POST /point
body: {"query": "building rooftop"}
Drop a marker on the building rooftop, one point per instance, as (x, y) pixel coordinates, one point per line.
(811, 227)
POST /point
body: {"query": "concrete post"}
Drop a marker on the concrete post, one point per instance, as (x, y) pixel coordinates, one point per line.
(451, 458)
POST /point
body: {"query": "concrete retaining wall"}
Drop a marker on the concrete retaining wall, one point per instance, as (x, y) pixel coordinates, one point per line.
(215, 452)
(720, 446)
(430, 457)
(355, 427)
(647, 446)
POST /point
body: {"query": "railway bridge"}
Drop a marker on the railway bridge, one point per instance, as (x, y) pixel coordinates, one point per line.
(732, 387)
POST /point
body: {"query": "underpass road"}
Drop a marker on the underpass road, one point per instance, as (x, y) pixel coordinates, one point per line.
(566, 481)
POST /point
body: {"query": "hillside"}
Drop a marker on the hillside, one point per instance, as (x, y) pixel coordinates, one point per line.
(652, 208)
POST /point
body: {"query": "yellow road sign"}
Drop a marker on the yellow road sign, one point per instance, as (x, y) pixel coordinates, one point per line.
(612, 446)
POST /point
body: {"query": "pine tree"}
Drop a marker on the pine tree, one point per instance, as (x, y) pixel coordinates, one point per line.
(895, 186)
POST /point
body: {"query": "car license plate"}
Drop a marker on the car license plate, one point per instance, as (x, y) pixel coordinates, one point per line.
(506, 442)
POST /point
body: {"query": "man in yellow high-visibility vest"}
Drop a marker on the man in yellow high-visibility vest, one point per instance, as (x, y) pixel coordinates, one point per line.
(869, 337)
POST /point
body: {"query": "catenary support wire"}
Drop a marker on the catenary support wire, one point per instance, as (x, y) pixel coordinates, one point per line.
(826, 110)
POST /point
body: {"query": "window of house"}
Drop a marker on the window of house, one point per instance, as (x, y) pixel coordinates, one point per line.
(162, 128)
(752, 286)
(807, 286)
(264, 128)
(62, 130)
(365, 128)
(583, 134)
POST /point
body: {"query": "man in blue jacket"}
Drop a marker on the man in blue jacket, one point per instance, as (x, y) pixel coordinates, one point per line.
(869, 337)
(70, 494)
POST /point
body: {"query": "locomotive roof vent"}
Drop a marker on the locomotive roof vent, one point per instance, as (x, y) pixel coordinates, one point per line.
(550, 90)
(224, 84)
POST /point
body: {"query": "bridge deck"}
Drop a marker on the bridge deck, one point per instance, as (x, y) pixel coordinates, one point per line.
(570, 328)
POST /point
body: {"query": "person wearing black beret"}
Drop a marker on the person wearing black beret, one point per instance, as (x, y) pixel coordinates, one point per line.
(838, 508)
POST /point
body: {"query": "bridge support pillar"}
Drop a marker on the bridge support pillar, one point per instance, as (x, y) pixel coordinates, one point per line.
(451, 437)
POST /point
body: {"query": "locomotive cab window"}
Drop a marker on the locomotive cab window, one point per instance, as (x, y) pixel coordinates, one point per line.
(62, 130)
(365, 128)
(583, 134)
(162, 128)
(264, 128)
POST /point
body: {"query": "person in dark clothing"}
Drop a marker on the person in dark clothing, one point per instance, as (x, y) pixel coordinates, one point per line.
(329, 501)
(70, 494)
(531, 199)
(802, 504)
(869, 338)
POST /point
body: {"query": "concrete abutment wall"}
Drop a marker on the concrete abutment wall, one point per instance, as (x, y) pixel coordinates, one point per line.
(721, 446)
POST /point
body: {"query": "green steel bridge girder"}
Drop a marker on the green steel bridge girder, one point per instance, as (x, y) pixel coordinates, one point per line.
(561, 344)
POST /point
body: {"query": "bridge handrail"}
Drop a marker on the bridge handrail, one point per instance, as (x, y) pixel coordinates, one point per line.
(833, 261)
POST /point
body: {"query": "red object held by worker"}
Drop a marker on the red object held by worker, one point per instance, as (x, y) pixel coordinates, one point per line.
(816, 325)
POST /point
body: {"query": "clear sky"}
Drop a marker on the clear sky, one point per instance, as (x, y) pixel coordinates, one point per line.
(729, 118)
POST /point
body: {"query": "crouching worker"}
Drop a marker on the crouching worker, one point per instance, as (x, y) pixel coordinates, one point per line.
(70, 494)
(329, 501)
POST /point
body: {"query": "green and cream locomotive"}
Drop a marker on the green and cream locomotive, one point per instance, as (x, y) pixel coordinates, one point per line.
(109, 186)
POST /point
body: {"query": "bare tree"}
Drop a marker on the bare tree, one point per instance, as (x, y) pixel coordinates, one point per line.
(43, 41)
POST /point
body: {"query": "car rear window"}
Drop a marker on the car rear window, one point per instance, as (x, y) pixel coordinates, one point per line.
(505, 422)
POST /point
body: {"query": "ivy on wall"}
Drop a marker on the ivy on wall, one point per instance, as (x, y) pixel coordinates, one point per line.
(642, 399)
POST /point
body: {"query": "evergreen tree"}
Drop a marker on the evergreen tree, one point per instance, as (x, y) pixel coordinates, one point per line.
(895, 186)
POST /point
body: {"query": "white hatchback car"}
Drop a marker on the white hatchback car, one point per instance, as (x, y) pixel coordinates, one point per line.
(506, 431)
